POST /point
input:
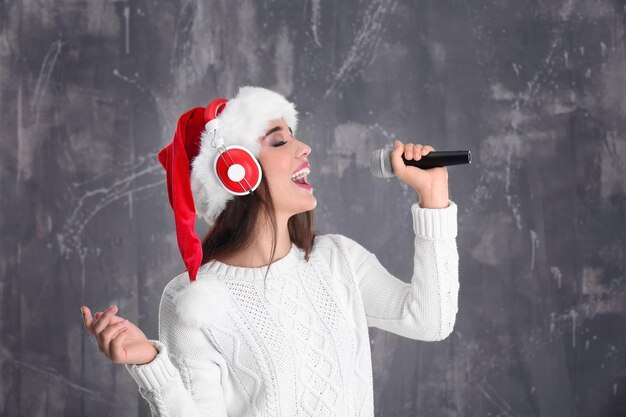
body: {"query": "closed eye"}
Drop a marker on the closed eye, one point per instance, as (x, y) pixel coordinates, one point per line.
(279, 143)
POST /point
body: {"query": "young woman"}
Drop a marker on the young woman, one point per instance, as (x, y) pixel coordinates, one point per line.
(274, 321)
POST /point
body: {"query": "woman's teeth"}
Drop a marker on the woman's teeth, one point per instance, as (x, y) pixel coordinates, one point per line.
(300, 176)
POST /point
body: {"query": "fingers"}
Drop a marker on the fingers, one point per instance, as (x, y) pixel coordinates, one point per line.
(109, 331)
(396, 159)
(114, 319)
(109, 334)
(117, 350)
(426, 149)
(410, 151)
(104, 319)
(416, 151)
(87, 319)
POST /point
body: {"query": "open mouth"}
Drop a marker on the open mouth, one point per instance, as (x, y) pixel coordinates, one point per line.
(300, 176)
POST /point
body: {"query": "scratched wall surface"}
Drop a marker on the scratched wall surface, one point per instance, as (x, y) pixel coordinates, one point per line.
(535, 89)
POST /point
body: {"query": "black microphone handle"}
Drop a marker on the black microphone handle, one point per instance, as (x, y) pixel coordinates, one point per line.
(440, 159)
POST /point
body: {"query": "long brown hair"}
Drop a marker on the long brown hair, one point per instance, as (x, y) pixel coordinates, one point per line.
(234, 228)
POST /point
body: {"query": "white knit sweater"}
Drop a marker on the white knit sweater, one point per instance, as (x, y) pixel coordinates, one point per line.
(296, 343)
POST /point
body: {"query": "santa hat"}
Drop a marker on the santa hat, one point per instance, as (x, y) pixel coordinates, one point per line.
(192, 184)
(242, 122)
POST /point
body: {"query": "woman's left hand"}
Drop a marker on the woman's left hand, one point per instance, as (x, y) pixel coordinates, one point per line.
(431, 184)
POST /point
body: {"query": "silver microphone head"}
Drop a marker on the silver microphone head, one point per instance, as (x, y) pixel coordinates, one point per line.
(380, 163)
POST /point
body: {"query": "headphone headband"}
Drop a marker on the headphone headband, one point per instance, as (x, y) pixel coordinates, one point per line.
(214, 109)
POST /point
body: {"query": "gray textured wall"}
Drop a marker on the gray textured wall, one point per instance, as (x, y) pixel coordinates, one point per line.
(90, 90)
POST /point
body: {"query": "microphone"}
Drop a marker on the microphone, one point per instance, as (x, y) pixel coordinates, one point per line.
(380, 161)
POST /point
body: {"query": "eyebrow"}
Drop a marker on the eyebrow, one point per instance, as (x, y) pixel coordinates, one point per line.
(276, 129)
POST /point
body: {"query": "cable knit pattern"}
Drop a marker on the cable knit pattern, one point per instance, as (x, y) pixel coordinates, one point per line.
(296, 343)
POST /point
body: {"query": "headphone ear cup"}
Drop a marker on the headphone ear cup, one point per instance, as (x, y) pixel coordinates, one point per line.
(238, 170)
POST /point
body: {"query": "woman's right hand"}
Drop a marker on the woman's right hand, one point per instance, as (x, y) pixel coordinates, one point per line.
(119, 340)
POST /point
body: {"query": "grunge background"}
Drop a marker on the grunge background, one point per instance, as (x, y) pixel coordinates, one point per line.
(91, 90)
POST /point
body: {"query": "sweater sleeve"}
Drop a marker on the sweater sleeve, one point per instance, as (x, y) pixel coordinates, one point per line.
(425, 308)
(184, 378)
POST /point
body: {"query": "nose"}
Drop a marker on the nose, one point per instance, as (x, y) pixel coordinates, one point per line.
(303, 150)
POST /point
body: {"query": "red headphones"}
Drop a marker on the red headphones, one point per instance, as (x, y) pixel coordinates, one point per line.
(236, 167)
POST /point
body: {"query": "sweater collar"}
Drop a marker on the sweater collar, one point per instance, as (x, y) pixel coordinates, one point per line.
(278, 267)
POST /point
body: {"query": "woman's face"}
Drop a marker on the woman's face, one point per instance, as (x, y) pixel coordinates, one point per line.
(282, 156)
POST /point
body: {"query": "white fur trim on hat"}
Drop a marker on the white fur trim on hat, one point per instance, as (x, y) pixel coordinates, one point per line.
(242, 122)
(203, 303)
